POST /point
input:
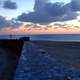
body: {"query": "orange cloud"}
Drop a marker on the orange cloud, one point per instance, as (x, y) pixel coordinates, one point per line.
(41, 30)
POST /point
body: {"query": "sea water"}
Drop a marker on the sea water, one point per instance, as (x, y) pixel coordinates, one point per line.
(54, 37)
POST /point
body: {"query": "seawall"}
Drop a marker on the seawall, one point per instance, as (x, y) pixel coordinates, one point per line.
(10, 50)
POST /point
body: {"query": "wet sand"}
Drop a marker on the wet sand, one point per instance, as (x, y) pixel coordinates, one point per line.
(41, 60)
(66, 52)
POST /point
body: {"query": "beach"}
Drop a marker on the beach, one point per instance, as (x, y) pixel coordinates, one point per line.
(66, 53)
(48, 60)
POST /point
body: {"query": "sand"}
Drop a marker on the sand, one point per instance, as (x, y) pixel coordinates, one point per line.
(44, 60)
(66, 52)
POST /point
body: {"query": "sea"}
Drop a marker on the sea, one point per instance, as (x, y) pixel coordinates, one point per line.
(51, 37)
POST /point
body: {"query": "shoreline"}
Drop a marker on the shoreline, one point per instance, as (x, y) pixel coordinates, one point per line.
(59, 40)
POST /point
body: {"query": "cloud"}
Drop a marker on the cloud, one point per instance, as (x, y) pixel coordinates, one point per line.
(3, 22)
(55, 9)
(8, 23)
(75, 5)
(9, 5)
(50, 12)
(34, 17)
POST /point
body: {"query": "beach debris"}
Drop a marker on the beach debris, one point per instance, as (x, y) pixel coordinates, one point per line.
(42, 51)
(67, 78)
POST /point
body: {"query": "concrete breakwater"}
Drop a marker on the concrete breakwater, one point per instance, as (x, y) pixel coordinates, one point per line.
(9, 54)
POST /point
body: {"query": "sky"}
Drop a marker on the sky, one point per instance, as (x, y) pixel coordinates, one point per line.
(23, 6)
(31, 17)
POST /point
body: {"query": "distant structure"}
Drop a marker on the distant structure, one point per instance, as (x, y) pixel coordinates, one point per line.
(10, 36)
(25, 38)
(39, 5)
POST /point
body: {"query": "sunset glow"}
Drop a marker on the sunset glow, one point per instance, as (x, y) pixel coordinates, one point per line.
(23, 30)
(40, 17)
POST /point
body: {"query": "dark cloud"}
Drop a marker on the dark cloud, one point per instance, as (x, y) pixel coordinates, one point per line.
(3, 22)
(34, 17)
(75, 5)
(55, 9)
(8, 23)
(50, 12)
(15, 24)
(9, 5)
(40, 5)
